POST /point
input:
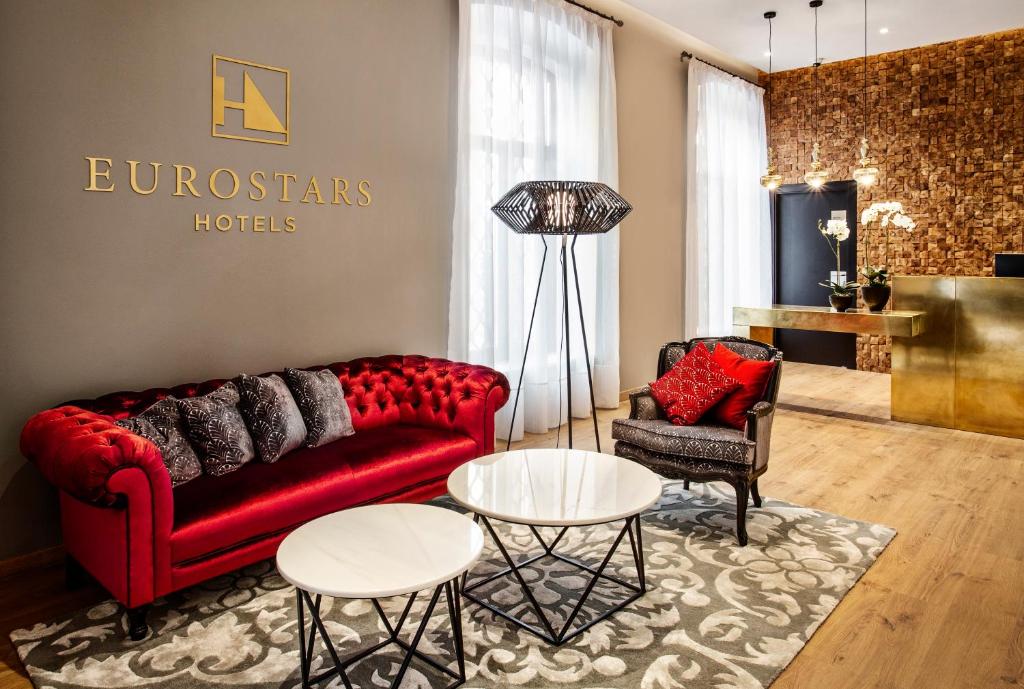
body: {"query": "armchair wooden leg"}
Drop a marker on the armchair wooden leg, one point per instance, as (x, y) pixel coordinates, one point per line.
(686, 484)
(755, 493)
(75, 576)
(742, 496)
(137, 626)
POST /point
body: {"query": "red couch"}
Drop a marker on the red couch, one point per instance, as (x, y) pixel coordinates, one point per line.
(416, 419)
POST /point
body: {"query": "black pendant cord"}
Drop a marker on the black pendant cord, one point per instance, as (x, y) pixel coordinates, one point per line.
(771, 78)
(526, 349)
(568, 355)
(864, 100)
(586, 349)
(817, 64)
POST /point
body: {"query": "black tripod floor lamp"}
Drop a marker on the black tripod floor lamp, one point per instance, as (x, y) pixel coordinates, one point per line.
(565, 209)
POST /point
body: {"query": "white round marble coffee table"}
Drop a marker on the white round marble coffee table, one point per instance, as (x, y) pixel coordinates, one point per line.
(563, 489)
(378, 551)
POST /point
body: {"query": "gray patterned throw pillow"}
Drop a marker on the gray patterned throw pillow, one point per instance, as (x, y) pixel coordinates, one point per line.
(272, 416)
(217, 431)
(162, 425)
(322, 403)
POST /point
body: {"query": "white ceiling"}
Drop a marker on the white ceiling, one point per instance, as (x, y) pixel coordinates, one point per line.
(738, 27)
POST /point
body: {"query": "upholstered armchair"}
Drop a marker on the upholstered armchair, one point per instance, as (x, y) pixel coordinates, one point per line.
(704, 452)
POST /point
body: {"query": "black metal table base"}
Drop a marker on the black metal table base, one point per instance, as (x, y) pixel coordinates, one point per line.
(341, 666)
(548, 631)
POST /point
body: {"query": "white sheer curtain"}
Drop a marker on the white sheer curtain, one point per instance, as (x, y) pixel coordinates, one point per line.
(728, 229)
(536, 102)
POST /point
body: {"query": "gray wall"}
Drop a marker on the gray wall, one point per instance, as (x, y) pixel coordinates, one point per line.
(114, 291)
(108, 291)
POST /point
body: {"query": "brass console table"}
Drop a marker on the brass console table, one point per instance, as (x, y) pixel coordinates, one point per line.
(957, 347)
(762, 321)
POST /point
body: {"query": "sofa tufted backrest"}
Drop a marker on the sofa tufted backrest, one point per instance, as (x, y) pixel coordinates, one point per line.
(408, 389)
(379, 390)
(79, 449)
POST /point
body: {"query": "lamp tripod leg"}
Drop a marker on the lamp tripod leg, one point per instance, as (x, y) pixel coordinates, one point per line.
(526, 350)
(586, 349)
(568, 356)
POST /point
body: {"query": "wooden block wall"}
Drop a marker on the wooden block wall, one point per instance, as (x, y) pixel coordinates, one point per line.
(946, 126)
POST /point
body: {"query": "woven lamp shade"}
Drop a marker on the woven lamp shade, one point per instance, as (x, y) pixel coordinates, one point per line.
(561, 208)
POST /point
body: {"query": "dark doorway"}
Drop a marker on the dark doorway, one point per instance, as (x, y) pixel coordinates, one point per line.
(803, 259)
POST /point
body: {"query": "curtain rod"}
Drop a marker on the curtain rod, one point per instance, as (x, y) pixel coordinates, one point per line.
(609, 17)
(683, 56)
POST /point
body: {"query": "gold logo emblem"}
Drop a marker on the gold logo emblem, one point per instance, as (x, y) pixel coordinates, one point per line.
(252, 118)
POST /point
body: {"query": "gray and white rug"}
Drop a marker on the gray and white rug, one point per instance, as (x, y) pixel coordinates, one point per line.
(716, 615)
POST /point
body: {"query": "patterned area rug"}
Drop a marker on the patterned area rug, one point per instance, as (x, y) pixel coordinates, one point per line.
(716, 615)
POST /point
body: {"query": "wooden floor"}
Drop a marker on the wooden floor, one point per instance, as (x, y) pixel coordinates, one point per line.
(942, 608)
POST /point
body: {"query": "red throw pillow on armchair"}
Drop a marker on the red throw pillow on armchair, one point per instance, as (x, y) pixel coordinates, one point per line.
(753, 376)
(692, 387)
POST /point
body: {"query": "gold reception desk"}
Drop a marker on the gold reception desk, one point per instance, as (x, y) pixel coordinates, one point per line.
(967, 371)
(957, 347)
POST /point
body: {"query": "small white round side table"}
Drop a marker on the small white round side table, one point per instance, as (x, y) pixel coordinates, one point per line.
(564, 489)
(378, 551)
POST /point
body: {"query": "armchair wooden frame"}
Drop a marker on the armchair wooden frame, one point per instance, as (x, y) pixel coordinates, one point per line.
(742, 477)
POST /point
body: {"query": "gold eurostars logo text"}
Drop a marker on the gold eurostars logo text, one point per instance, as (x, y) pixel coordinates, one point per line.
(251, 102)
(224, 183)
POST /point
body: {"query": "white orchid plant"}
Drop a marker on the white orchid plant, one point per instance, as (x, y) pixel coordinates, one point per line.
(886, 213)
(836, 232)
(891, 213)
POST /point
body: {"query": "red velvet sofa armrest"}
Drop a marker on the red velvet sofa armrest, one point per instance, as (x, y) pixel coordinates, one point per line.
(455, 396)
(79, 451)
(478, 420)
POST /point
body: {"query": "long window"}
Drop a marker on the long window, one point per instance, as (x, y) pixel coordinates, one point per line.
(728, 229)
(536, 102)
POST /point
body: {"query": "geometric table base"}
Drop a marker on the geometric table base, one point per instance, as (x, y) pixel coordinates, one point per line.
(566, 631)
(341, 665)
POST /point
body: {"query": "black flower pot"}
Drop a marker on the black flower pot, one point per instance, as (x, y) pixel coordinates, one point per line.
(841, 302)
(875, 296)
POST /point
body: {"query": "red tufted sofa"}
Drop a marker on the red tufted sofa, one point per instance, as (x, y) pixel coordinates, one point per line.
(416, 419)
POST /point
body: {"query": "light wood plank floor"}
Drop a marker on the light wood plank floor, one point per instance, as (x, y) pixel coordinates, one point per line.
(942, 608)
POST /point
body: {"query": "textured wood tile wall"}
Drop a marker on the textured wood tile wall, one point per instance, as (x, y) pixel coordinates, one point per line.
(946, 125)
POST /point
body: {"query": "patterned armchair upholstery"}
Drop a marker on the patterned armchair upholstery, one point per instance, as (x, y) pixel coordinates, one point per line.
(704, 452)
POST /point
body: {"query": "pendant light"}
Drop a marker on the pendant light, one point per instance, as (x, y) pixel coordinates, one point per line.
(771, 179)
(816, 176)
(867, 173)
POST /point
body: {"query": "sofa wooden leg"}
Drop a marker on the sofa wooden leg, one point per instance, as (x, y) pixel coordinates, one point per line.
(137, 627)
(75, 576)
(686, 484)
(742, 496)
(755, 493)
